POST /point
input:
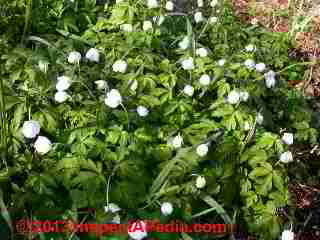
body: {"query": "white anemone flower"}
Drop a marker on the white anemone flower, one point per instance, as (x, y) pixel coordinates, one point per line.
(270, 79)
(177, 141)
(169, 6)
(198, 17)
(63, 83)
(259, 118)
(287, 235)
(249, 63)
(260, 67)
(200, 182)
(187, 64)
(286, 157)
(101, 84)
(127, 27)
(202, 52)
(233, 97)
(202, 150)
(43, 66)
(213, 20)
(244, 96)
(221, 62)
(184, 44)
(112, 207)
(120, 66)
(93, 55)
(147, 25)
(42, 145)
(61, 96)
(213, 3)
(200, 3)
(31, 129)
(188, 90)
(166, 208)
(205, 80)
(287, 138)
(142, 111)
(74, 57)
(152, 4)
(113, 98)
(250, 48)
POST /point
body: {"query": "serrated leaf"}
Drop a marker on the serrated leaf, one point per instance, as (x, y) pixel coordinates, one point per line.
(258, 172)
(265, 187)
(278, 181)
(223, 111)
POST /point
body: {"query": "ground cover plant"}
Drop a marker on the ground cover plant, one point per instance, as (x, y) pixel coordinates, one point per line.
(143, 110)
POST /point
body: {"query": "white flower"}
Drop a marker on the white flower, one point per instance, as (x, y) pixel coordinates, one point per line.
(133, 85)
(112, 207)
(152, 4)
(61, 96)
(249, 63)
(177, 141)
(31, 129)
(200, 182)
(101, 84)
(204, 80)
(246, 126)
(287, 138)
(42, 145)
(287, 235)
(202, 150)
(260, 67)
(116, 219)
(113, 98)
(142, 111)
(184, 44)
(254, 21)
(213, 3)
(286, 157)
(147, 25)
(136, 232)
(200, 3)
(270, 79)
(221, 62)
(166, 208)
(250, 48)
(127, 27)
(169, 6)
(74, 57)
(213, 20)
(233, 97)
(92, 55)
(188, 90)
(63, 83)
(120, 66)
(202, 52)
(259, 118)
(119, 1)
(244, 96)
(198, 17)
(43, 66)
(187, 64)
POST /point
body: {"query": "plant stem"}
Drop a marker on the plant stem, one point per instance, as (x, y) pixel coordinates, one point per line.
(26, 20)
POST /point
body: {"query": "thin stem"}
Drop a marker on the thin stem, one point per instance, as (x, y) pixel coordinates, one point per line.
(126, 113)
(91, 94)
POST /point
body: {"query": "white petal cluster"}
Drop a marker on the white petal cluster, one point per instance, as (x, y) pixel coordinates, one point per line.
(169, 6)
(74, 57)
(166, 208)
(177, 141)
(259, 118)
(287, 138)
(205, 80)
(249, 63)
(188, 90)
(63, 83)
(200, 3)
(250, 48)
(286, 157)
(233, 97)
(200, 182)
(42, 145)
(120, 66)
(134, 230)
(213, 3)
(147, 25)
(221, 62)
(152, 4)
(244, 95)
(213, 20)
(202, 52)
(184, 44)
(113, 98)
(142, 111)
(202, 150)
(101, 84)
(31, 129)
(43, 66)
(260, 67)
(270, 79)
(127, 27)
(187, 64)
(287, 235)
(93, 55)
(198, 17)
(61, 96)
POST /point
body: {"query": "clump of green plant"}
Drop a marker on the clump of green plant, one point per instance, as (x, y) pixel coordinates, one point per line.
(143, 106)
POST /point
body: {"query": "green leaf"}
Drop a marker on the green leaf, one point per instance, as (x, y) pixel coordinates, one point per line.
(18, 115)
(267, 140)
(225, 110)
(258, 157)
(259, 172)
(265, 187)
(79, 198)
(4, 212)
(278, 181)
